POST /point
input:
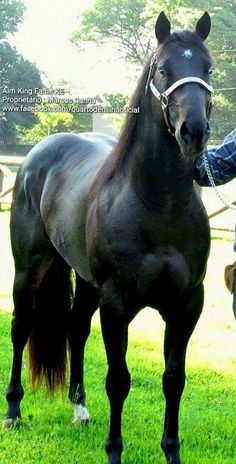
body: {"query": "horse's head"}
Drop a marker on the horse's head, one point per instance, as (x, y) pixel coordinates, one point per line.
(179, 80)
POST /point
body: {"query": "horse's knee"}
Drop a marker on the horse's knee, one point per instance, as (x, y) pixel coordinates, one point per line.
(118, 384)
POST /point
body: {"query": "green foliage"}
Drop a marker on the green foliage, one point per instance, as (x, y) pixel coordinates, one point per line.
(115, 100)
(15, 72)
(82, 123)
(51, 123)
(121, 21)
(48, 123)
(11, 14)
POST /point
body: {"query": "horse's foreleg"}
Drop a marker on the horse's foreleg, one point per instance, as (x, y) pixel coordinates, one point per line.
(85, 304)
(21, 327)
(177, 335)
(115, 335)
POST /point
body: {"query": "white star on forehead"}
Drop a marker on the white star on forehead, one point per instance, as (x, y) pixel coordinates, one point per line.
(187, 53)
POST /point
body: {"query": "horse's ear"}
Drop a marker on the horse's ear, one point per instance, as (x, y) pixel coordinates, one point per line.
(162, 28)
(203, 26)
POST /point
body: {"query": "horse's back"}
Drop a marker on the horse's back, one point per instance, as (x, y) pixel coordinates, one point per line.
(59, 155)
(59, 148)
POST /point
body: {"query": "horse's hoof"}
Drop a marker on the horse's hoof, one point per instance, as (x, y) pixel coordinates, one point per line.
(9, 423)
(81, 415)
(114, 459)
(173, 460)
(83, 422)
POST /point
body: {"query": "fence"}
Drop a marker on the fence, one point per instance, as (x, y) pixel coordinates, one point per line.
(7, 177)
(11, 157)
(11, 161)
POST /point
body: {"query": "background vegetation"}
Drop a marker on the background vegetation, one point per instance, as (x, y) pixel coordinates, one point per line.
(15, 71)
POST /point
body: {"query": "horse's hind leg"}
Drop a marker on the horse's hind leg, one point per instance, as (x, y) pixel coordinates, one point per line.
(177, 335)
(29, 269)
(85, 304)
(24, 296)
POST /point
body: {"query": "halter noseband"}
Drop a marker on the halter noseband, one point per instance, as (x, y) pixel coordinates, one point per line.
(164, 96)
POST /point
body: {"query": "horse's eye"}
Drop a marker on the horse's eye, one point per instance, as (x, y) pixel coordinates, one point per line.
(162, 71)
(211, 70)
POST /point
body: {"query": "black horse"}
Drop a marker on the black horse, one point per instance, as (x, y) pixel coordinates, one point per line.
(126, 218)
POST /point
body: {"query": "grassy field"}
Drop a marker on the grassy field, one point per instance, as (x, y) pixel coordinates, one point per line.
(207, 419)
(47, 435)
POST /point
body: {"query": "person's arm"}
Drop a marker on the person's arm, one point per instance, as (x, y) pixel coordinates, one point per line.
(222, 163)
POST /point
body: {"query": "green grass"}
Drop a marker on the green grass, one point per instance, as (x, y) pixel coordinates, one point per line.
(207, 420)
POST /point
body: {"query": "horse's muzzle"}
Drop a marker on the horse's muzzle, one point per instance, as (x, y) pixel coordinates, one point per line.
(193, 136)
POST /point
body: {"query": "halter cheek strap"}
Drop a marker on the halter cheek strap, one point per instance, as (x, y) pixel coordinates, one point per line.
(164, 96)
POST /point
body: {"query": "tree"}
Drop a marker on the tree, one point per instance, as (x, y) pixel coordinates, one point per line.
(130, 25)
(49, 122)
(15, 72)
(122, 21)
(52, 123)
(11, 14)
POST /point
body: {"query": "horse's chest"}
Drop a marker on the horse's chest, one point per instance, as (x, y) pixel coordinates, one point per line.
(150, 254)
(163, 273)
(143, 274)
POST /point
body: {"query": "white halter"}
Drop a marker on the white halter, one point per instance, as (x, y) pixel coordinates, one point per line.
(164, 97)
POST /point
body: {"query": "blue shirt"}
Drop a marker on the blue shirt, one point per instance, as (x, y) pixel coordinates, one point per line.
(222, 162)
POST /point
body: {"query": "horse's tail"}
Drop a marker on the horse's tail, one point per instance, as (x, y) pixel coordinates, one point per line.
(48, 340)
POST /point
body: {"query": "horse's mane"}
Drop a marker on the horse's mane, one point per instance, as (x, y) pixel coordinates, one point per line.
(121, 150)
(119, 153)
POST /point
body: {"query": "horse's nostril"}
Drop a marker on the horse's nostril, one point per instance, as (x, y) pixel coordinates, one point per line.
(185, 133)
(196, 132)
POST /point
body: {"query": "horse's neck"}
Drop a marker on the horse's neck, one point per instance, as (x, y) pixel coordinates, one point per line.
(159, 172)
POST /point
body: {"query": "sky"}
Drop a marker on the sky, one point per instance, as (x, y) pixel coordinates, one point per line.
(43, 38)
